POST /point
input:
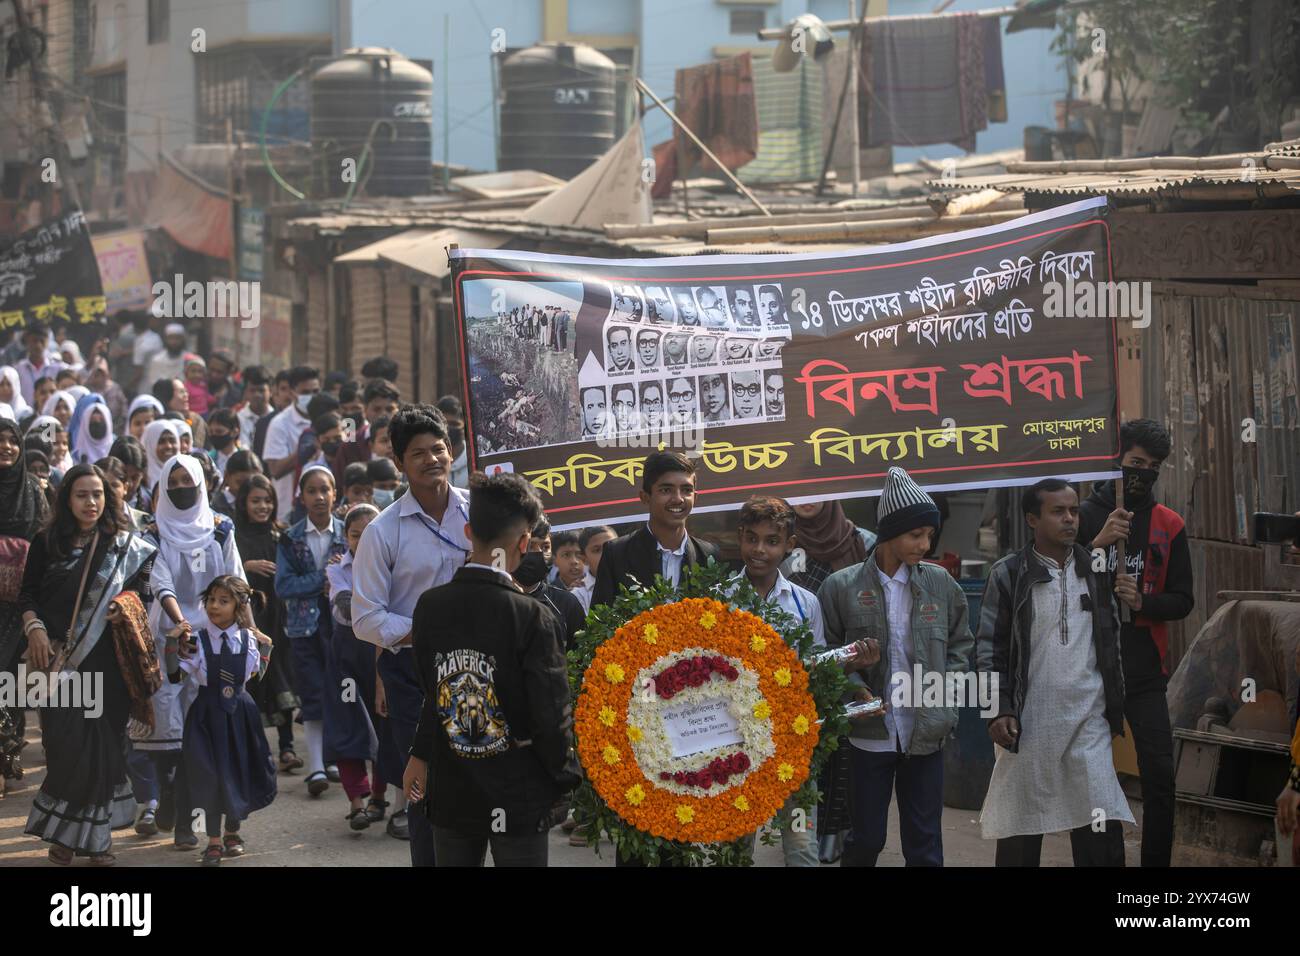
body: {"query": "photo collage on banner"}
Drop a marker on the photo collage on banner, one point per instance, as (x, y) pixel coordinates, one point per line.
(683, 356)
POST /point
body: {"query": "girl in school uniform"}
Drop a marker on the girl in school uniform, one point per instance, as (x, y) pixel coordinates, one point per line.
(227, 759)
(356, 660)
(161, 442)
(195, 547)
(330, 726)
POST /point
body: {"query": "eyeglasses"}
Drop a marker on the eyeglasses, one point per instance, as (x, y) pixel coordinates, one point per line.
(741, 391)
(648, 403)
(686, 396)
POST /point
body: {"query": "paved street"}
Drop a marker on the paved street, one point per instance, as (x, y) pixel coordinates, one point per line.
(298, 830)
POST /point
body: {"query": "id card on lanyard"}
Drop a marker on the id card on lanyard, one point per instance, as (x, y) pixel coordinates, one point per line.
(428, 523)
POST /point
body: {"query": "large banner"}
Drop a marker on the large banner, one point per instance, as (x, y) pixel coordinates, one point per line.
(50, 273)
(804, 376)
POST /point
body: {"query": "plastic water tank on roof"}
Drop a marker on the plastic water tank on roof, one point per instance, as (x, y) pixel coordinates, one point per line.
(558, 108)
(373, 89)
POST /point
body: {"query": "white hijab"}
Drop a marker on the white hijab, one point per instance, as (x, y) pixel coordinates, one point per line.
(152, 433)
(144, 401)
(85, 448)
(183, 428)
(45, 426)
(52, 402)
(17, 403)
(186, 539)
(78, 392)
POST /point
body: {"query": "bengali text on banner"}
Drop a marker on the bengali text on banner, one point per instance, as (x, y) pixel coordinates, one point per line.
(804, 376)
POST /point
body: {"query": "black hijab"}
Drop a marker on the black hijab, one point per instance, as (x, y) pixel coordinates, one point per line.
(27, 515)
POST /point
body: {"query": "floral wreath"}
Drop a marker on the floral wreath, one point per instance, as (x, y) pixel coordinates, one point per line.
(664, 653)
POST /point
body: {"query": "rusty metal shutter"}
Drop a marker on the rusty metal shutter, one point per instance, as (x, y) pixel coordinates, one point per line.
(367, 315)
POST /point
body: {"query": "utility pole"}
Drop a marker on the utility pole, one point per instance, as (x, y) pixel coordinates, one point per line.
(446, 102)
(854, 40)
(63, 177)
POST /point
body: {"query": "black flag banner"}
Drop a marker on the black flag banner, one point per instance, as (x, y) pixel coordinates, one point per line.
(50, 273)
(805, 376)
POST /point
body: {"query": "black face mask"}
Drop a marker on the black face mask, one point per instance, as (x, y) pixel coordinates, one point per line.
(183, 498)
(97, 428)
(533, 567)
(331, 447)
(221, 442)
(1138, 483)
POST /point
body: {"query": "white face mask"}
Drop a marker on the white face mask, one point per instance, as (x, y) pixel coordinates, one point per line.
(302, 401)
(383, 497)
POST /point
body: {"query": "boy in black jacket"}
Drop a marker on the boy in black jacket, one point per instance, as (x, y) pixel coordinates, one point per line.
(1154, 588)
(496, 722)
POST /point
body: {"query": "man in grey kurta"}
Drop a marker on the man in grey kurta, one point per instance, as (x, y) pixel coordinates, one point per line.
(1048, 633)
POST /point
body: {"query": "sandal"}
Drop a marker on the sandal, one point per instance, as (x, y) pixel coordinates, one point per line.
(317, 783)
(289, 762)
(233, 844)
(102, 859)
(211, 856)
(376, 809)
(60, 855)
(358, 819)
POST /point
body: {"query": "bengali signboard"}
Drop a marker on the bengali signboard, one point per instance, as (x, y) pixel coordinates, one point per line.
(50, 273)
(805, 376)
(123, 270)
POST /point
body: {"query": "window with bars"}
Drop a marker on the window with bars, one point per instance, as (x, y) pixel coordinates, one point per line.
(108, 94)
(238, 83)
(160, 16)
(747, 21)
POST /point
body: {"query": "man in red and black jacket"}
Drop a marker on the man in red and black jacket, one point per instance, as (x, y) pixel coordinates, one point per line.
(1155, 588)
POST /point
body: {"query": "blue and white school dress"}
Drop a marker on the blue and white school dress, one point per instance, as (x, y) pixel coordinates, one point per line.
(227, 759)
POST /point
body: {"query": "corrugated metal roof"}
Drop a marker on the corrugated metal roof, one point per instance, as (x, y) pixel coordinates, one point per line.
(1149, 177)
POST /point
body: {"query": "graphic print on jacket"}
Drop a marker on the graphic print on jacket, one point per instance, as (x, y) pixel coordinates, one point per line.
(468, 706)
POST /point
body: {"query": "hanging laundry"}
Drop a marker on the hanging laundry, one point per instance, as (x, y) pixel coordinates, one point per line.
(716, 100)
(925, 81)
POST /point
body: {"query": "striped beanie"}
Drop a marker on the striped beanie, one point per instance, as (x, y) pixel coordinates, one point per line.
(904, 506)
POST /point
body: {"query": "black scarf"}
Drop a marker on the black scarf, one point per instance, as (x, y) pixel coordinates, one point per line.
(26, 515)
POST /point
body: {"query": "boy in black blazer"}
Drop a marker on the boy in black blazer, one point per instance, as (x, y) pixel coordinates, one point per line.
(496, 721)
(661, 546)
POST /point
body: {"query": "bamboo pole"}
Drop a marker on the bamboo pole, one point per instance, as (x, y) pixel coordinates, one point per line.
(700, 227)
(842, 231)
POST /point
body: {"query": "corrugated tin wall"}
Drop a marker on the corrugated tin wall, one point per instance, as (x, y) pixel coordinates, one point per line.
(399, 345)
(318, 321)
(1209, 363)
(365, 317)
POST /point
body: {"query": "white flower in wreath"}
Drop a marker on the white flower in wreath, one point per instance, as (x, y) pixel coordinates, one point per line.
(654, 751)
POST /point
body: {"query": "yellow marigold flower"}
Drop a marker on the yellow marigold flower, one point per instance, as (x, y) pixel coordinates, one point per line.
(613, 673)
(740, 803)
(707, 620)
(762, 711)
(782, 676)
(607, 716)
(685, 814)
(634, 733)
(650, 634)
(784, 772)
(757, 644)
(634, 795)
(800, 725)
(611, 754)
